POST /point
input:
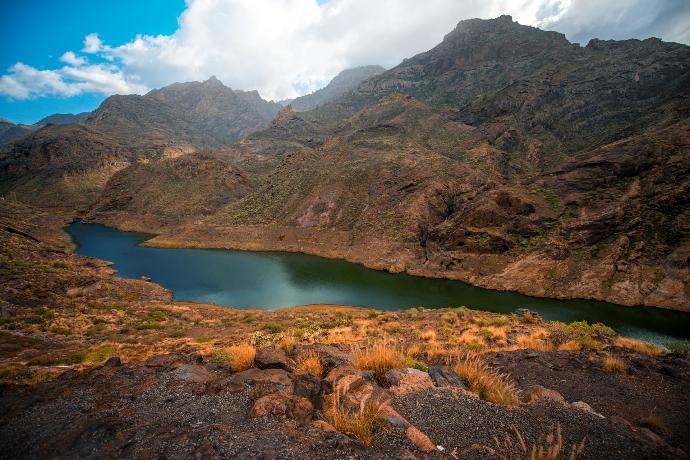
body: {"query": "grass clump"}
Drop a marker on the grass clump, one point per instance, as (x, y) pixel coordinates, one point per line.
(237, 357)
(654, 423)
(614, 365)
(202, 339)
(639, 346)
(489, 385)
(273, 327)
(590, 336)
(681, 347)
(548, 447)
(310, 363)
(362, 424)
(99, 354)
(379, 358)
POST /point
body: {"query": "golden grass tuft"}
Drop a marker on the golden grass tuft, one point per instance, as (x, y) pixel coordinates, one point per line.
(571, 345)
(362, 424)
(236, 357)
(288, 343)
(489, 385)
(310, 363)
(379, 358)
(639, 346)
(548, 447)
(427, 335)
(535, 341)
(614, 365)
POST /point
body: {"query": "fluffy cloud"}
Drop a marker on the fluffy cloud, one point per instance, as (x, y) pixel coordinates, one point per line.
(287, 47)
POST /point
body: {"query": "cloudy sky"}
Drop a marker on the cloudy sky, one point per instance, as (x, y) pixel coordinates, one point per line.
(67, 56)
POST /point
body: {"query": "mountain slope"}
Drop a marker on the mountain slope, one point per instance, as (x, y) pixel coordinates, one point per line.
(344, 82)
(63, 118)
(11, 132)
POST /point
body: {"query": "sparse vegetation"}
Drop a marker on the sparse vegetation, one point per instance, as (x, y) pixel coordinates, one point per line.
(548, 447)
(310, 363)
(489, 384)
(614, 365)
(380, 358)
(273, 327)
(361, 424)
(237, 357)
(681, 347)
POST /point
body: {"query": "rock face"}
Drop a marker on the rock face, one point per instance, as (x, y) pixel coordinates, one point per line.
(344, 82)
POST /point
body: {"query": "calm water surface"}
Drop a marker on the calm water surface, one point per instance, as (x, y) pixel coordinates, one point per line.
(268, 280)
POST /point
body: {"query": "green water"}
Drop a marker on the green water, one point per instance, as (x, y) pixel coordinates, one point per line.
(268, 280)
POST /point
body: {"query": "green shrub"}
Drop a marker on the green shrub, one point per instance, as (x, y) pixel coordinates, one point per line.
(415, 364)
(273, 327)
(99, 354)
(681, 347)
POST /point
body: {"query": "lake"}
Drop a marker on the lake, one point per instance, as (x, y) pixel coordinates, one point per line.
(267, 280)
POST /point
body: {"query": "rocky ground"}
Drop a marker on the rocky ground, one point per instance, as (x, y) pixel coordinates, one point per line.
(96, 366)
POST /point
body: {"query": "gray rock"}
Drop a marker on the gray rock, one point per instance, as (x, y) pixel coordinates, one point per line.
(113, 361)
(444, 376)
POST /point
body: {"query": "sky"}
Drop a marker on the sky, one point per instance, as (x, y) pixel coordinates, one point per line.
(66, 56)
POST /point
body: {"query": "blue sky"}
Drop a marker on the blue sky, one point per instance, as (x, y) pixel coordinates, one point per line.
(66, 56)
(38, 32)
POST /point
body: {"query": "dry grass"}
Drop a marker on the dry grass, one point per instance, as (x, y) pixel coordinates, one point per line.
(490, 385)
(427, 335)
(362, 424)
(435, 350)
(614, 365)
(288, 342)
(310, 363)
(237, 357)
(571, 345)
(639, 346)
(535, 341)
(380, 358)
(548, 447)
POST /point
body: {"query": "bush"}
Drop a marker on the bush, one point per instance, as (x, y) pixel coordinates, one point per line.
(99, 354)
(589, 335)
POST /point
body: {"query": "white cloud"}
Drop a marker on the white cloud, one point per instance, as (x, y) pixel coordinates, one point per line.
(26, 82)
(92, 44)
(72, 59)
(284, 47)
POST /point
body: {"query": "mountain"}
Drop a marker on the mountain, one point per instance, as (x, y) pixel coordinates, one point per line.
(345, 81)
(63, 118)
(10, 131)
(67, 165)
(505, 156)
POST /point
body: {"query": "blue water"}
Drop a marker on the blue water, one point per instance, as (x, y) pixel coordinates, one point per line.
(267, 280)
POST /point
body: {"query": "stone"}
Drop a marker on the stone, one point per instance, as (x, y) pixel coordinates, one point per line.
(263, 381)
(538, 394)
(404, 381)
(522, 311)
(444, 376)
(581, 405)
(193, 373)
(283, 407)
(330, 356)
(308, 386)
(113, 361)
(323, 426)
(272, 358)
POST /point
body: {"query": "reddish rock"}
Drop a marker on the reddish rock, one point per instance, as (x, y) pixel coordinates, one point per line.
(282, 406)
(272, 358)
(537, 394)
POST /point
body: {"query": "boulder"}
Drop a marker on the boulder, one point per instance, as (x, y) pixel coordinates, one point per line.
(263, 381)
(113, 361)
(308, 386)
(283, 406)
(272, 358)
(581, 405)
(404, 381)
(538, 394)
(193, 373)
(330, 356)
(444, 376)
